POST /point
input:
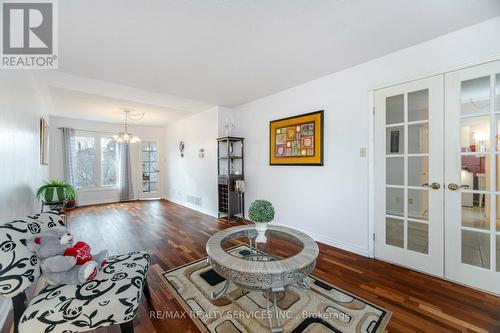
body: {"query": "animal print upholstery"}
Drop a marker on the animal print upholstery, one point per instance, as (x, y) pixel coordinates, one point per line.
(111, 298)
(19, 267)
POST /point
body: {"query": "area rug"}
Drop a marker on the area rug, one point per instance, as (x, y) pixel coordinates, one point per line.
(323, 308)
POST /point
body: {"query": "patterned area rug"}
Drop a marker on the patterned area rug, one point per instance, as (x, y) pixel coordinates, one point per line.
(323, 308)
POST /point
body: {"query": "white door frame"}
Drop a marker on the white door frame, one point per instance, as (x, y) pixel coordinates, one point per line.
(371, 138)
(160, 165)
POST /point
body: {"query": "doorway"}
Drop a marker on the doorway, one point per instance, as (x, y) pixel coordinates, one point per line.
(437, 182)
(408, 175)
(149, 170)
(472, 164)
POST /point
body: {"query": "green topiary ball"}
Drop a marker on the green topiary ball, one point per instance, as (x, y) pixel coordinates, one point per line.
(261, 211)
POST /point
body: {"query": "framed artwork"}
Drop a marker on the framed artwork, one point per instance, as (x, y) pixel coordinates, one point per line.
(297, 140)
(44, 142)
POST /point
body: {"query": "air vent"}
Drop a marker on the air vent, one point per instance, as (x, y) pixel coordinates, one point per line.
(192, 199)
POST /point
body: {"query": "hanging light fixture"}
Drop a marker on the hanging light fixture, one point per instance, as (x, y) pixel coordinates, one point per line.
(126, 136)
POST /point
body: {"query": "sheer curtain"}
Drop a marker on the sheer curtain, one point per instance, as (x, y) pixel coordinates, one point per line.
(126, 186)
(68, 136)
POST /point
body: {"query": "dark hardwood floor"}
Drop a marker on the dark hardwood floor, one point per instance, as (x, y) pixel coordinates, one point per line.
(175, 235)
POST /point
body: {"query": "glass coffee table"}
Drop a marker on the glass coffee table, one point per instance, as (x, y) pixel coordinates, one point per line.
(286, 257)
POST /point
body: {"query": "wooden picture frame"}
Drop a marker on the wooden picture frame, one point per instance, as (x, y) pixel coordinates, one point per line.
(44, 142)
(297, 140)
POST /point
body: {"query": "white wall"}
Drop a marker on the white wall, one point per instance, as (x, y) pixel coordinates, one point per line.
(191, 176)
(331, 202)
(102, 195)
(20, 170)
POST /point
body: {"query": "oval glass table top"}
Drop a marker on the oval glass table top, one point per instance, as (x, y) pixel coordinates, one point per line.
(277, 245)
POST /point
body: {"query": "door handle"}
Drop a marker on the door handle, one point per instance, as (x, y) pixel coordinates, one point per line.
(434, 186)
(454, 187)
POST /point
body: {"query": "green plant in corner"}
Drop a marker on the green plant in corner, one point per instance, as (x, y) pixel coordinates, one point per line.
(56, 190)
(261, 211)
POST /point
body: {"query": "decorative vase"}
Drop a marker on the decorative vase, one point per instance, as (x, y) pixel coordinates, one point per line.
(261, 232)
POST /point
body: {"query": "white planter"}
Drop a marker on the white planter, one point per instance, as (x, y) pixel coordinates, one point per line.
(261, 232)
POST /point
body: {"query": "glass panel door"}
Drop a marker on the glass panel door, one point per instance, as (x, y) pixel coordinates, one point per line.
(149, 169)
(409, 175)
(472, 176)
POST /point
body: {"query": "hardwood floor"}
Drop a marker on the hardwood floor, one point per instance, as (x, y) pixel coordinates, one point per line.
(175, 235)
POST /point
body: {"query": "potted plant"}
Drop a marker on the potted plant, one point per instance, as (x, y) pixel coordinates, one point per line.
(261, 212)
(56, 191)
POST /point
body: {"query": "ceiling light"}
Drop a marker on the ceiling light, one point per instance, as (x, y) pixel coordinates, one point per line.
(125, 136)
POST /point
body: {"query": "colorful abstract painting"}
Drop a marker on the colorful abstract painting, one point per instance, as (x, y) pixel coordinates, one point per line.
(297, 140)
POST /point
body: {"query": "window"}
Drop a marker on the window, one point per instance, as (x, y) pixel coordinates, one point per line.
(85, 162)
(96, 162)
(109, 161)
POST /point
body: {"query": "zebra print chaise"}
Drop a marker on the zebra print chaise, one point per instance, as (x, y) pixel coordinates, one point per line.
(111, 298)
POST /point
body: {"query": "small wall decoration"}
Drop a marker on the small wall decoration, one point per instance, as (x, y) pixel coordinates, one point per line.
(297, 140)
(44, 142)
(181, 148)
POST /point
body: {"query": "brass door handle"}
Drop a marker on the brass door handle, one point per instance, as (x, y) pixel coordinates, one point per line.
(454, 187)
(434, 186)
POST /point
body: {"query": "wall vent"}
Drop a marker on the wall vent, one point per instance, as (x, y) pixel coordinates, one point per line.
(192, 199)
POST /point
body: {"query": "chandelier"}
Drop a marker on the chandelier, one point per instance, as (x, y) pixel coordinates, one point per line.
(126, 136)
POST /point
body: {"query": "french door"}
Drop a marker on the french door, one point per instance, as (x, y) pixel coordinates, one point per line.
(409, 175)
(472, 165)
(149, 170)
(437, 175)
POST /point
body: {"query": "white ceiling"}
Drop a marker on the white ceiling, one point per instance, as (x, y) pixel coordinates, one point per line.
(108, 109)
(230, 52)
(82, 98)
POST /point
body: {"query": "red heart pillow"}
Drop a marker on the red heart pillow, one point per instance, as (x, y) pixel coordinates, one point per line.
(81, 251)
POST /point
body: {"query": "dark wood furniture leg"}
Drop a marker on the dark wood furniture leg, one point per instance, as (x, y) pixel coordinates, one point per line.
(127, 327)
(147, 293)
(18, 306)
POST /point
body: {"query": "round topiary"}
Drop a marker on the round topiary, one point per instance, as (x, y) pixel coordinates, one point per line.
(261, 211)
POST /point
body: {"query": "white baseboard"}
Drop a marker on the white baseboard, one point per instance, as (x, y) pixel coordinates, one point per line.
(97, 202)
(4, 310)
(319, 238)
(333, 242)
(102, 202)
(193, 207)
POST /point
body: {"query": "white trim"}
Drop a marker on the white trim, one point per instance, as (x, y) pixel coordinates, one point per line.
(107, 201)
(332, 242)
(4, 310)
(98, 189)
(82, 203)
(193, 207)
(371, 174)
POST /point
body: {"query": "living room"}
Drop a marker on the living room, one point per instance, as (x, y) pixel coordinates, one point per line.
(240, 166)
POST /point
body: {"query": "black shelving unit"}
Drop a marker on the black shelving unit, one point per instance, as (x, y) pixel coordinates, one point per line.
(230, 168)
